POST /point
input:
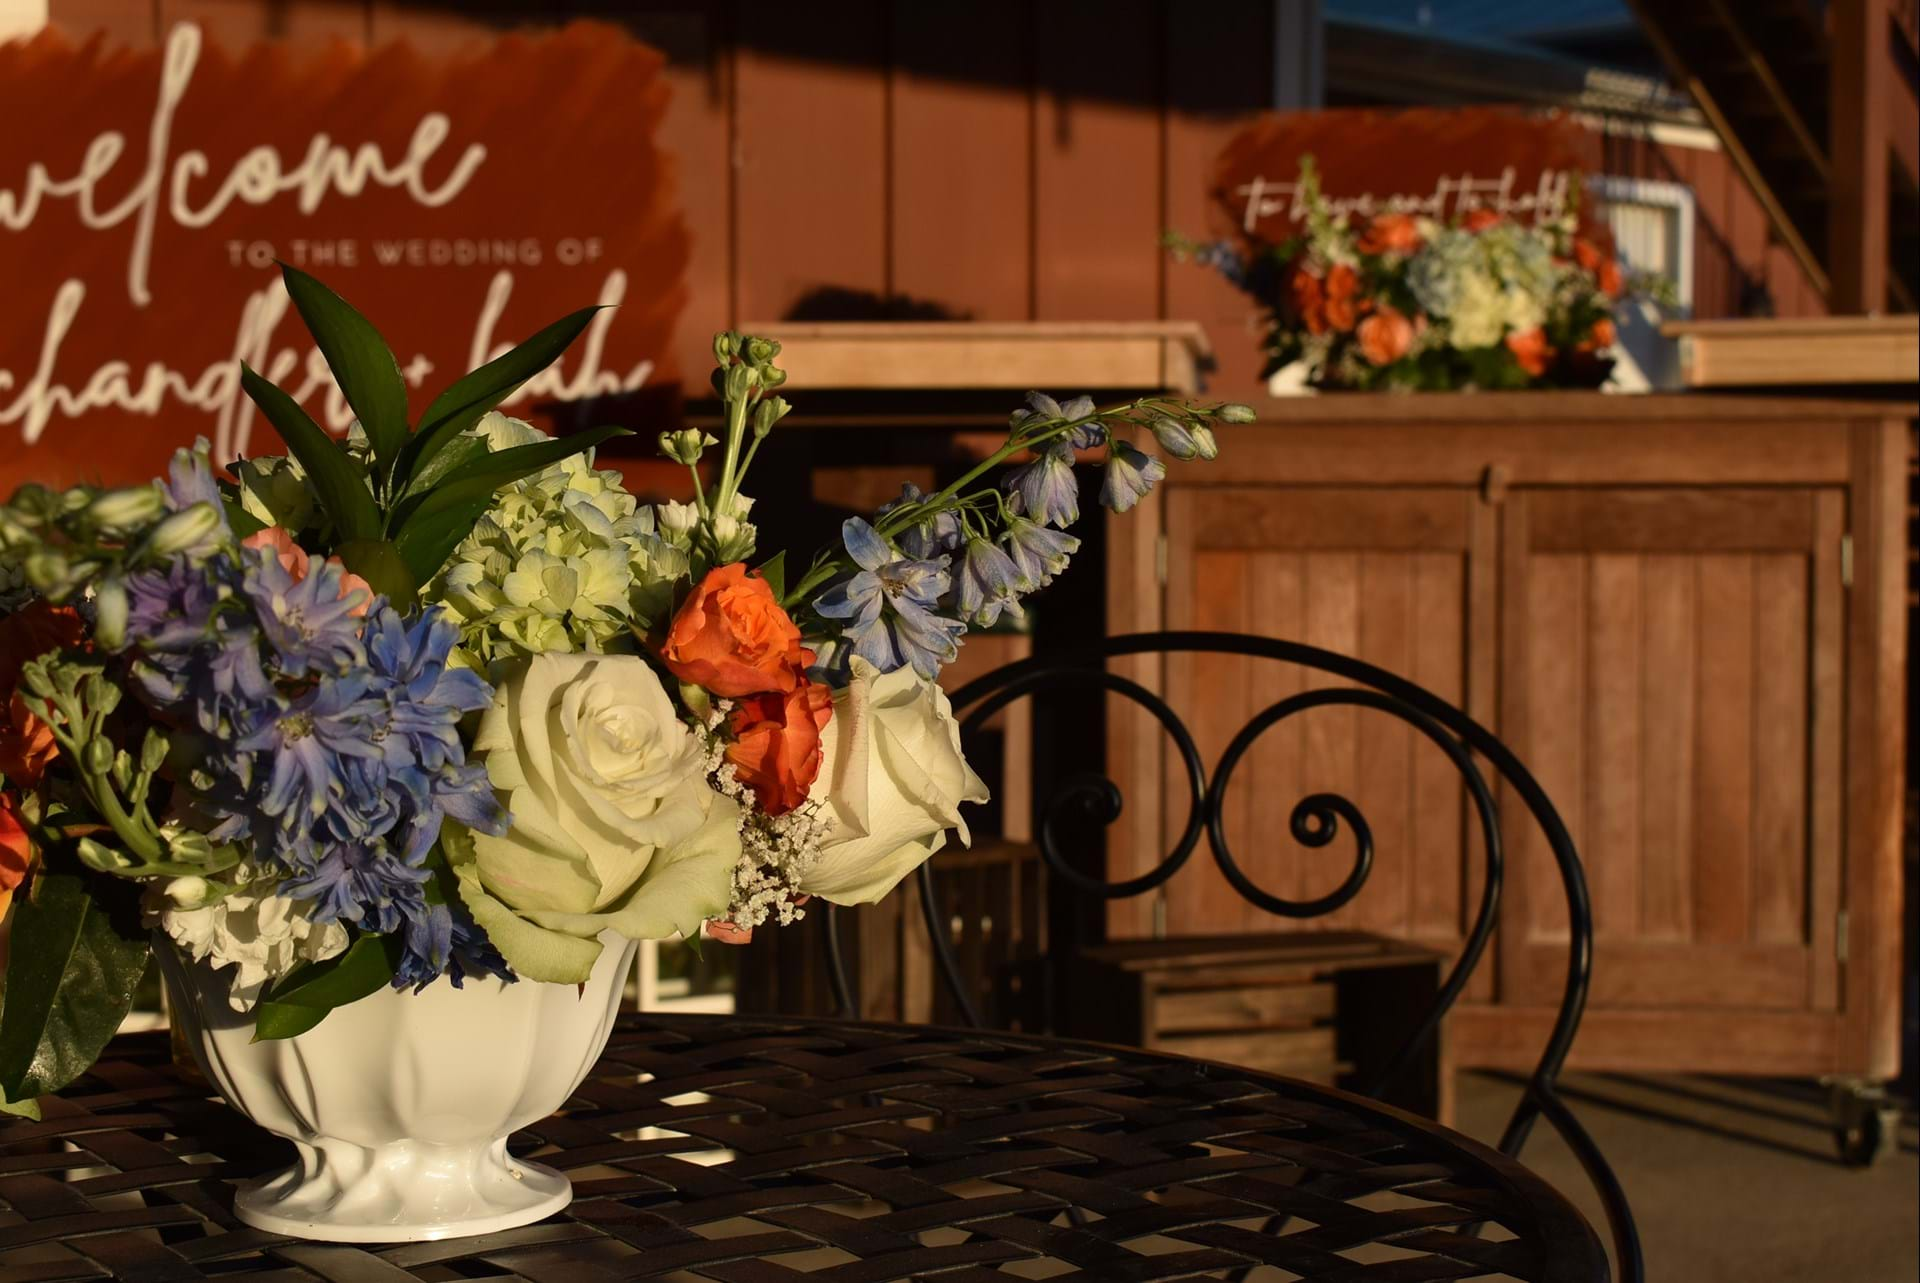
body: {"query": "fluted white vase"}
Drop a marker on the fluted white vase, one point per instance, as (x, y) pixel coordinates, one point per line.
(400, 1104)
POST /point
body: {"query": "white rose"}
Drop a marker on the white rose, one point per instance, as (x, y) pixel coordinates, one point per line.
(613, 822)
(262, 936)
(891, 781)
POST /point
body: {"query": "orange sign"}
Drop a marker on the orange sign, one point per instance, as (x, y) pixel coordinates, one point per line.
(460, 202)
(1440, 162)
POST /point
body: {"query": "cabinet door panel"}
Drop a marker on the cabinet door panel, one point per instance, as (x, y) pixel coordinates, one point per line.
(1384, 575)
(1659, 654)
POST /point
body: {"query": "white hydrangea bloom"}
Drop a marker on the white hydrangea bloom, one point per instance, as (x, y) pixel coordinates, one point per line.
(262, 936)
(566, 560)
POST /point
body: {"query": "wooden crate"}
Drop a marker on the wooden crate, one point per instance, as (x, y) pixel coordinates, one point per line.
(1329, 1007)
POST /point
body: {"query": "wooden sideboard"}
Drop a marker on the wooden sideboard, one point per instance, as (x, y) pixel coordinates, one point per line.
(1686, 613)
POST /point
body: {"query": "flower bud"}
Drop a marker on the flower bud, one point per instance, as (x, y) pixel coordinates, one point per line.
(101, 857)
(153, 751)
(96, 756)
(101, 695)
(768, 413)
(186, 893)
(685, 445)
(187, 846)
(1174, 437)
(1234, 412)
(46, 570)
(725, 344)
(1204, 446)
(125, 509)
(740, 381)
(677, 520)
(772, 376)
(110, 614)
(761, 351)
(184, 531)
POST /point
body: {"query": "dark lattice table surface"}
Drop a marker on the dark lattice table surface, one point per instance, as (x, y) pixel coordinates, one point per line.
(753, 1150)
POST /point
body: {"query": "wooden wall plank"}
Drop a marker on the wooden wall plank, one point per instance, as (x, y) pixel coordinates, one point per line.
(1826, 786)
(810, 191)
(1273, 773)
(1723, 793)
(1330, 734)
(1097, 160)
(1556, 742)
(1220, 69)
(1668, 701)
(962, 156)
(1382, 747)
(1200, 898)
(1614, 667)
(1780, 734)
(1438, 809)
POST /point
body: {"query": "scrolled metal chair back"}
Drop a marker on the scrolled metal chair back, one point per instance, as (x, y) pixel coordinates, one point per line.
(1316, 822)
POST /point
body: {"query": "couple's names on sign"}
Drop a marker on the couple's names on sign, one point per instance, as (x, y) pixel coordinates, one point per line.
(1451, 196)
(1442, 163)
(142, 228)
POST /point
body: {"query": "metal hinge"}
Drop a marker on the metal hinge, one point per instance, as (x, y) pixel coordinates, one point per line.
(1160, 559)
(1846, 560)
(1840, 936)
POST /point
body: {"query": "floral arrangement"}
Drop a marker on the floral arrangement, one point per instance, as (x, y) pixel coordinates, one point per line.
(443, 699)
(1403, 302)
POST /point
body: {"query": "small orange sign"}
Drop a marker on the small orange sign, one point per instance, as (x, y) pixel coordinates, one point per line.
(460, 202)
(1440, 162)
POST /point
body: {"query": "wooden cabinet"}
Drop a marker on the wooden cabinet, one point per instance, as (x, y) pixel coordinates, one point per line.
(1686, 614)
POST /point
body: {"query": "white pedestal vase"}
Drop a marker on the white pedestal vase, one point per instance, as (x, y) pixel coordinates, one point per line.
(400, 1104)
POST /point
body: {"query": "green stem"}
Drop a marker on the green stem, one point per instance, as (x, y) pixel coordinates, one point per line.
(736, 429)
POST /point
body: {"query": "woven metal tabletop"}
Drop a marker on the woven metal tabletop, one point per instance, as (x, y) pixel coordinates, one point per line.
(752, 1150)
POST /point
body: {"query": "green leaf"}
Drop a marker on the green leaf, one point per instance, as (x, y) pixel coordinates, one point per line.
(774, 571)
(78, 952)
(460, 450)
(239, 520)
(379, 563)
(304, 998)
(519, 461)
(431, 525)
(361, 362)
(470, 397)
(336, 478)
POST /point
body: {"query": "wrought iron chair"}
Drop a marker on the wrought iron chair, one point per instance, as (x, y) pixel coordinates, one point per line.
(1315, 822)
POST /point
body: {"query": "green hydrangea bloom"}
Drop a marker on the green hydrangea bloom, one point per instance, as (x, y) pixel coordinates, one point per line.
(566, 560)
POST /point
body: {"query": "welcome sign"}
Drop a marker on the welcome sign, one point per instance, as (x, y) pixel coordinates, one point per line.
(1437, 162)
(460, 202)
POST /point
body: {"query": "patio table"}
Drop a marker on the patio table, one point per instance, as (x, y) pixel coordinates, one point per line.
(772, 1150)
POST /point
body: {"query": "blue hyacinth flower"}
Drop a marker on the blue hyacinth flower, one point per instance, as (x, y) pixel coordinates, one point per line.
(987, 583)
(1046, 490)
(1037, 553)
(889, 605)
(1130, 474)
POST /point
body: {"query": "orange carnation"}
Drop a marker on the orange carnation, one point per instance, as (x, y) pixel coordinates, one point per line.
(732, 637)
(1343, 302)
(1531, 350)
(1603, 334)
(16, 851)
(1385, 336)
(1390, 234)
(776, 750)
(26, 742)
(1479, 220)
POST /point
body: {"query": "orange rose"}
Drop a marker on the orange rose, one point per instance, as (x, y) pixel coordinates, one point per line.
(26, 742)
(1479, 220)
(1530, 349)
(1385, 336)
(16, 851)
(1603, 267)
(732, 637)
(1390, 234)
(1343, 302)
(776, 748)
(1602, 335)
(1309, 299)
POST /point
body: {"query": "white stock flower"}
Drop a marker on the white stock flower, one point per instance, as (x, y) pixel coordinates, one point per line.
(891, 782)
(261, 935)
(614, 824)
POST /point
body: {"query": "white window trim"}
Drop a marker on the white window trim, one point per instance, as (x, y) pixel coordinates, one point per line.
(1676, 196)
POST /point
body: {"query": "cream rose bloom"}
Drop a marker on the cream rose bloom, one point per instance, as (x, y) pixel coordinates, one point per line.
(891, 782)
(614, 825)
